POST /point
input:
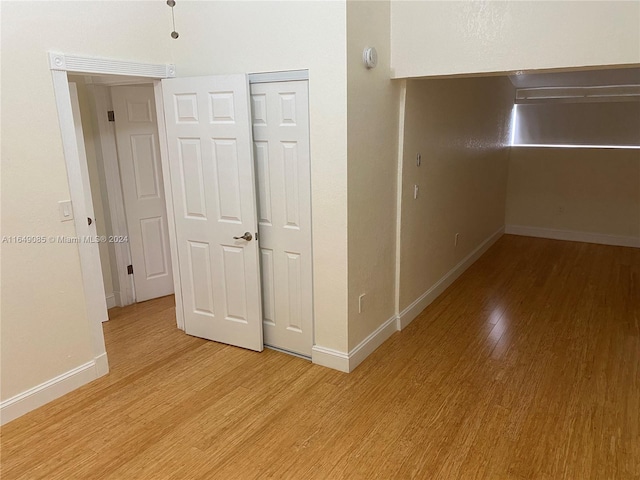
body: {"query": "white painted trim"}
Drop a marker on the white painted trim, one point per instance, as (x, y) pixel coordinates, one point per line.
(327, 357)
(401, 115)
(107, 149)
(168, 196)
(81, 64)
(347, 362)
(412, 311)
(573, 236)
(118, 298)
(111, 302)
(286, 76)
(372, 342)
(39, 395)
(80, 193)
(102, 365)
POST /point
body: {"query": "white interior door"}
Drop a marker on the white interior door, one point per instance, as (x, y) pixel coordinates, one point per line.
(143, 191)
(94, 284)
(212, 178)
(281, 143)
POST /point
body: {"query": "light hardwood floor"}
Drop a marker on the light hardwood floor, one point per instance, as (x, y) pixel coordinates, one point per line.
(528, 367)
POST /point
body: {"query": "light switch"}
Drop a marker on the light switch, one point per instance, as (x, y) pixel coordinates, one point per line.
(361, 302)
(66, 210)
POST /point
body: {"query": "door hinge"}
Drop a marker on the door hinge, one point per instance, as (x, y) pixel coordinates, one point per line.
(129, 269)
(111, 116)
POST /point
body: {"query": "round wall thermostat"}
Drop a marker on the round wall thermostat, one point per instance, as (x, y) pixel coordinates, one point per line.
(370, 57)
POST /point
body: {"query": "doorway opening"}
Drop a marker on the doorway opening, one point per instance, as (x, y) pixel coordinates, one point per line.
(126, 184)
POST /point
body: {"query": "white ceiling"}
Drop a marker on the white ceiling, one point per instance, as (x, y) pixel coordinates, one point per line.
(583, 78)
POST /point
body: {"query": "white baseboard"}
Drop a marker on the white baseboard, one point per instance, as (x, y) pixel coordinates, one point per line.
(327, 357)
(102, 365)
(367, 346)
(573, 236)
(119, 298)
(35, 397)
(412, 311)
(347, 362)
(111, 301)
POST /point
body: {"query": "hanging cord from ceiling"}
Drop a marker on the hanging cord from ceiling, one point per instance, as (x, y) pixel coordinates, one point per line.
(174, 34)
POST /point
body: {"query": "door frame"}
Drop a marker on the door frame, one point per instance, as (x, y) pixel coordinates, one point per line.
(111, 169)
(61, 65)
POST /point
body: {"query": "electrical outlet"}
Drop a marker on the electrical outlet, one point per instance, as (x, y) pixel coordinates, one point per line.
(361, 302)
(455, 240)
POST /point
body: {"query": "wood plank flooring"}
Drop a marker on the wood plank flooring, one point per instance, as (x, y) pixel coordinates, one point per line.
(527, 367)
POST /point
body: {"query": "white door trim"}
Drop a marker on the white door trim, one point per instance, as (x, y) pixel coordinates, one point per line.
(286, 76)
(96, 65)
(60, 64)
(168, 197)
(114, 192)
(401, 114)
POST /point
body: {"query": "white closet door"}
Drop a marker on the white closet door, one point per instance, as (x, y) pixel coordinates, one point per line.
(280, 121)
(211, 166)
(141, 177)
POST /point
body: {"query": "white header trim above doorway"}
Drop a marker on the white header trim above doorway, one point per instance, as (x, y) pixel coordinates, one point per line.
(80, 64)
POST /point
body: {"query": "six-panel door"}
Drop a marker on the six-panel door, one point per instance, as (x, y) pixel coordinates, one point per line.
(280, 121)
(212, 178)
(141, 177)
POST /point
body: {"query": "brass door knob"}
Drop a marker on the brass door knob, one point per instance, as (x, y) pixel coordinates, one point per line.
(247, 236)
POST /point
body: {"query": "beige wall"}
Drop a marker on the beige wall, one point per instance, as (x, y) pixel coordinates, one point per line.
(460, 127)
(44, 321)
(575, 189)
(372, 113)
(442, 37)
